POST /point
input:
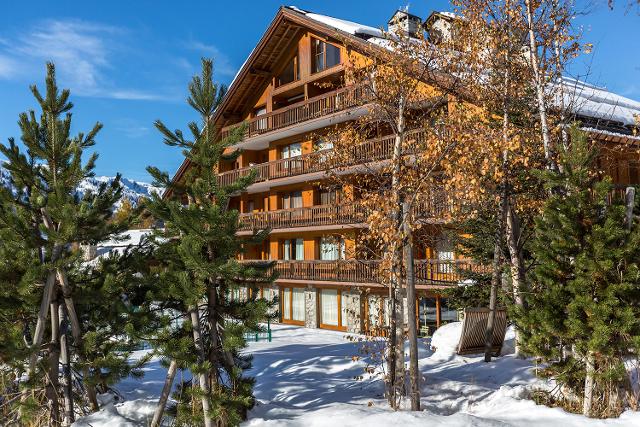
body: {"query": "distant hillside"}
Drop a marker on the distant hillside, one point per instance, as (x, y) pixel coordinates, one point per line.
(132, 190)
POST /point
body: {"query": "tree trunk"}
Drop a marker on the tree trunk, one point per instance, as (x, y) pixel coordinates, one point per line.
(393, 343)
(51, 389)
(396, 365)
(539, 84)
(164, 396)
(399, 331)
(67, 381)
(76, 332)
(42, 318)
(202, 377)
(495, 280)
(517, 265)
(414, 372)
(590, 367)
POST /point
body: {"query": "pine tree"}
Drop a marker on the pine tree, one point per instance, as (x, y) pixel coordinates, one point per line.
(582, 317)
(196, 270)
(48, 307)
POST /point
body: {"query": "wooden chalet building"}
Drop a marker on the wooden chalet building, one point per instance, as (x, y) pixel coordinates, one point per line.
(288, 91)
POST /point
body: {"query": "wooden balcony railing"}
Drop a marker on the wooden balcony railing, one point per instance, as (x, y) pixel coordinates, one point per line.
(427, 271)
(436, 205)
(318, 106)
(369, 151)
(303, 217)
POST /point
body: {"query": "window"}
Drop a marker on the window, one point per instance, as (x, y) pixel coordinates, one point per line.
(378, 309)
(427, 316)
(293, 249)
(290, 73)
(447, 313)
(324, 55)
(261, 124)
(292, 200)
(444, 252)
(322, 144)
(331, 248)
(333, 308)
(293, 305)
(329, 196)
(291, 150)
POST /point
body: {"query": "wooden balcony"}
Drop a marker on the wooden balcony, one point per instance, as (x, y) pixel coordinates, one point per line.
(435, 206)
(318, 106)
(427, 271)
(370, 151)
(303, 217)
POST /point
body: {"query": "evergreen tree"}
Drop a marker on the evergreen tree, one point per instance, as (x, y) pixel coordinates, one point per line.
(582, 317)
(45, 290)
(195, 266)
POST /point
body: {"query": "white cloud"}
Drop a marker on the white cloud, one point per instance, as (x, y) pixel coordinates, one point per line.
(82, 51)
(8, 67)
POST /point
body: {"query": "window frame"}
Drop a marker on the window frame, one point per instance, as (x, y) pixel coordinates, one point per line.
(315, 55)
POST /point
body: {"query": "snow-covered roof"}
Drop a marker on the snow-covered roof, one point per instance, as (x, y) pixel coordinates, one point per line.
(597, 102)
(118, 244)
(582, 98)
(341, 24)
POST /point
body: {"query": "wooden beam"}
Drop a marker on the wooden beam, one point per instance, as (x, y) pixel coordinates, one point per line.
(260, 72)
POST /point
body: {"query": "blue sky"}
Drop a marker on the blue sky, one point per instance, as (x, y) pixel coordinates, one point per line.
(128, 63)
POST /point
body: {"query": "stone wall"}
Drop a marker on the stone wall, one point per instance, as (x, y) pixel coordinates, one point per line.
(310, 307)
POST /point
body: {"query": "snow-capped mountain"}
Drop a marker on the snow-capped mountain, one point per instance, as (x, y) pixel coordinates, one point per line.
(132, 190)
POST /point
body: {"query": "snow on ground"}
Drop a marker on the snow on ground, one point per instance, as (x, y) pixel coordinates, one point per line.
(308, 377)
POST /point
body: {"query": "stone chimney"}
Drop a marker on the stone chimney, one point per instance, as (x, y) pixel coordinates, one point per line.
(404, 22)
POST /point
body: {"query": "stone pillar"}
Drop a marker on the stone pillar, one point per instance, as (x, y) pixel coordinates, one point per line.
(355, 311)
(310, 307)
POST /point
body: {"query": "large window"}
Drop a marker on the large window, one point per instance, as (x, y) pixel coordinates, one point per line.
(290, 73)
(444, 251)
(291, 150)
(329, 196)
(331, 248)
(324, 55)
(333, 309)
(292, 200)
(293, 305)
(378, 313)
(293, 249)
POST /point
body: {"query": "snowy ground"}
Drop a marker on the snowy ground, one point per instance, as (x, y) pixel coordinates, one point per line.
(309, 378)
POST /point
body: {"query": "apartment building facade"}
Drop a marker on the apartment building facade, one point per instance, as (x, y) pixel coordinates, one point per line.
(289, 92)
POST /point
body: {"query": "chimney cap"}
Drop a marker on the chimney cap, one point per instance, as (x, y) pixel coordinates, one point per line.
(399, 13)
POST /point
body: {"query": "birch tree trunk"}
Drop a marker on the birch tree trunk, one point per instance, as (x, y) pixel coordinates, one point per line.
(164, 396)
(397, 312)
(414, 372)
(538, 80)
(202, 377)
